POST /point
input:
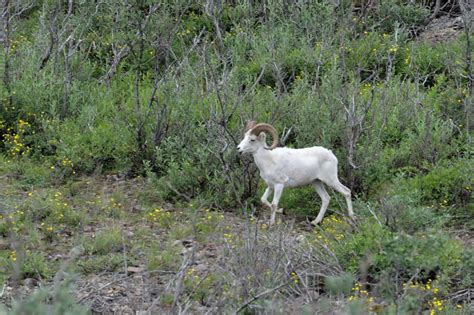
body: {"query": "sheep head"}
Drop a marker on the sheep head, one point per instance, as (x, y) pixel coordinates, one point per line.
(255, 137)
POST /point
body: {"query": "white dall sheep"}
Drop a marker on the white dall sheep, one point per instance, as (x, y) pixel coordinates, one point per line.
(286, 167)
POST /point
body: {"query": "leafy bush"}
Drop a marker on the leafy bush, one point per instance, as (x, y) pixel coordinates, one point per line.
(50, 209)
(410, 15)
(171, 104)
(45, 301)
(100, 263)
(35, 265)
(183, 174)
(164, 258)
(424, 252)
(447, 184)
(374, 53)
(402, 212)
(302, 201)
(106, 242)
(104, 145)
(424, 255)
(368, 241)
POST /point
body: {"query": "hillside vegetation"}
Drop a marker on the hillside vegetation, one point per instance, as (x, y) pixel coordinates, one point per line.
(121, 189)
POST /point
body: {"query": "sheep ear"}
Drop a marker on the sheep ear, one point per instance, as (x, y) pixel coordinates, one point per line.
(262, 136)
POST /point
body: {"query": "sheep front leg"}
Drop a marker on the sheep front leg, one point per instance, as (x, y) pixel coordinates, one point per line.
(276, 198)
(265, 196)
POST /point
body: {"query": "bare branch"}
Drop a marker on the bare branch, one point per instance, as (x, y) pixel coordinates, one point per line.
(261, 294)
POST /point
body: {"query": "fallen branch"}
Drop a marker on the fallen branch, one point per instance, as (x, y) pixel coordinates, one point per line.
(3, 289)
(248, 302)
(102, 287)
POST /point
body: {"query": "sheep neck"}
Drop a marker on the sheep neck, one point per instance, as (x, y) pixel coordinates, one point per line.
(263, 159)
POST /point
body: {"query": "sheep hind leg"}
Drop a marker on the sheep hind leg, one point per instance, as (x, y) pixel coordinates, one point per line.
(319, 187)
(346, 192)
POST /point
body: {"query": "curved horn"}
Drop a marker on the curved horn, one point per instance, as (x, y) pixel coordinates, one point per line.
(267, 128)
(250, 125)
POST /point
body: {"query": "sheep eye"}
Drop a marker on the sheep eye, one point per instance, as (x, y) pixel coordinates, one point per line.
(252, 140)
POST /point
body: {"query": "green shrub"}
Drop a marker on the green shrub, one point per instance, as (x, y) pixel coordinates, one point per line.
(373, 53)
(399, 212)
(464, 277)
(424, 62)
(50, 209)
(163, 259)
(104, 145)
(425, 254)
(181, 176)
(34, 265)
(339, 285)
(410, 15)
(48, 301)
(367, 242)
(100, 263)
(106, 242)
(447, 184)
(299, 201)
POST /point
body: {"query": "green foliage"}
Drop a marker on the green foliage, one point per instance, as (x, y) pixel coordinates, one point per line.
(447, 184)
(465, 275)
(182, 173)
(405, 13)
(34, 265)
(425, 61)
(164, 218)
(302, 201)
(339, 285)
(118, 125)
(27, 172)
(89, 146)
(368, 241)
(100, 263)
(424, 254)
(26, 263)
(402, 212)
(106, 242)
(373, 53)
(50, 210)
(164, 89)
(200, 289)
(164, 259)
(54, 301)
(207, 222)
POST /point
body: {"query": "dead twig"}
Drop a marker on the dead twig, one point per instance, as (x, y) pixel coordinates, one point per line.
(261, 294)
(3, 289)
(101, 288)
(188, 261)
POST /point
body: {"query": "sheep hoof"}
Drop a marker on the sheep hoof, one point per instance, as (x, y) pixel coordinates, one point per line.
(315, 222)
(280, 210)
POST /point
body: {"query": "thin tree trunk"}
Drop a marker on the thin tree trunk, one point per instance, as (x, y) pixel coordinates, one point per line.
(467, 7)
(6, 49)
